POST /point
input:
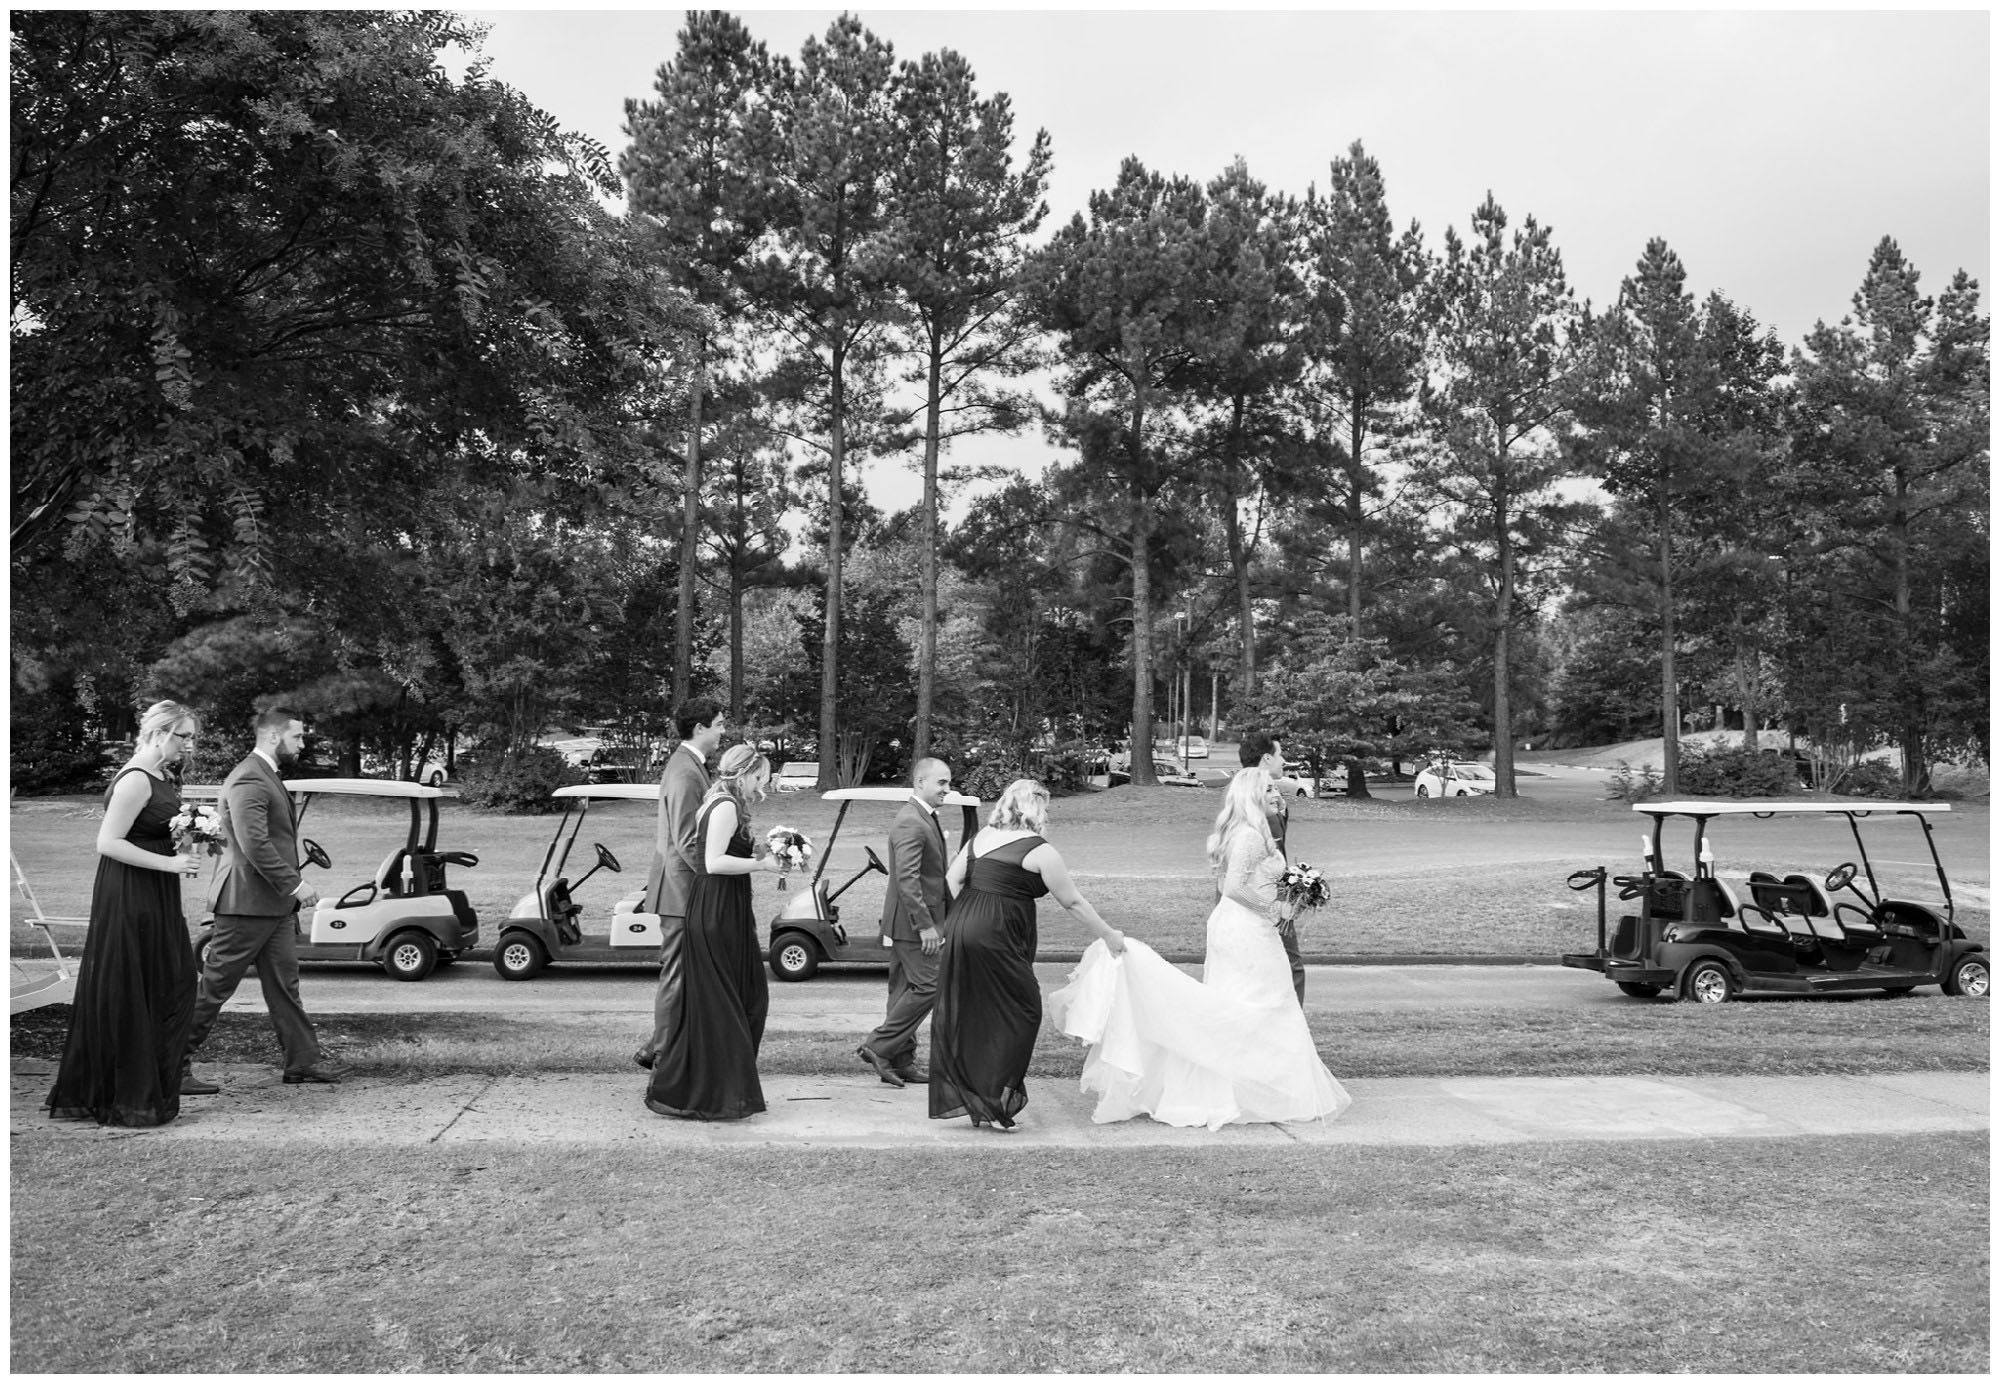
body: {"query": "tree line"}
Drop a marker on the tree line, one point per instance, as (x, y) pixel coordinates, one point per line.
(334, 379)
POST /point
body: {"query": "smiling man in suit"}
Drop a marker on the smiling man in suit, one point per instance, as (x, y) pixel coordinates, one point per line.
(912, 924)
(257, 893)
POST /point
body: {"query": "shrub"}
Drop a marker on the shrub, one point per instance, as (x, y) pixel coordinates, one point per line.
(1871, 778)
(517, 781)
(47, 751)
(1734, 773)
(1627, 788)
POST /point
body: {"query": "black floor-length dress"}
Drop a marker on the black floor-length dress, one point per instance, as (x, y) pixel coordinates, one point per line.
(135, 987)
(989, 1006)
(706, 1068)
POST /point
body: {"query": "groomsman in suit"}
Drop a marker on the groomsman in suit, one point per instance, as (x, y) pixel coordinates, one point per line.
(1257, 747)
(699, 724)
(912, 924)
(256, 894)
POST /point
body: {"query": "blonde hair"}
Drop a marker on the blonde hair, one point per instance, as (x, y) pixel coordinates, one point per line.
(738, 764)
(158, 721)
(1242, 808)
(1023, 803)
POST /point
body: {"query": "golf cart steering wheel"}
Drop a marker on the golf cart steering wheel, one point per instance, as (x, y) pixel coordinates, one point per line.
(316, 855)
(874, 860)
(1840, 877)
(607, 859)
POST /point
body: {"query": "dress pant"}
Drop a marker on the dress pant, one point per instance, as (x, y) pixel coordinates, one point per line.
(239, 942)
(1288, 933)
(673, 977)
(912, 994)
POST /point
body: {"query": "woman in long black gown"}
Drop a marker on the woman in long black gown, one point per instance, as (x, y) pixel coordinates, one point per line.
(989, 1005)
(706, 1068)
(135, 987)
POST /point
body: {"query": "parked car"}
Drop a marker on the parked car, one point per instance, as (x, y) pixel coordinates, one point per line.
(431, 772)
(1454, 778)
(1696, 937)
(797, 776)
(1194, 747)
(1296, 781)
(1170, 775)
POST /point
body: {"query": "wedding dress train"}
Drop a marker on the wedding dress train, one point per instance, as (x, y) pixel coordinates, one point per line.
(1232, 1048)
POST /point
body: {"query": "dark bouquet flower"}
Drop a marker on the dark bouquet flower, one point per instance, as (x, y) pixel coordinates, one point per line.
(196, 824)
(1303, 887)
(792, 848)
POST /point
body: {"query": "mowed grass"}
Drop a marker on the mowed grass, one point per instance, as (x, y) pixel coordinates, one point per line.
(1848, 1255)
(1142, 869)
(1782, 1038)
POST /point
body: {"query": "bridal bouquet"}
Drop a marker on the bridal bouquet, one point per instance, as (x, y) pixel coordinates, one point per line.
(196, 825)
(1303, 887)
(792, 847)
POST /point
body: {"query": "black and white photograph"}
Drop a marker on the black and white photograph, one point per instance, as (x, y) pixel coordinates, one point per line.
(942, 691)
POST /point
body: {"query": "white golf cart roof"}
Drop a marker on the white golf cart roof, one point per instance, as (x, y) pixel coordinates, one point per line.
(1733, 808)
(889, 795)
(364, 788)
(631, 792)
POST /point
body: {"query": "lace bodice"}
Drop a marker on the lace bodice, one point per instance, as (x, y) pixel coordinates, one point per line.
(1250, 869)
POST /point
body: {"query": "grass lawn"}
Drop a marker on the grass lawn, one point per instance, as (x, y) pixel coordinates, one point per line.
(1857, 1254)
(1137, 854)
(1824, 1037)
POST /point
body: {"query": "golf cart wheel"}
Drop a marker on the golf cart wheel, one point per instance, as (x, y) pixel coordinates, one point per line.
(1969, 978)
(410, 956)
(794, 956)
(1709, 982)
(201, 953)
(1640, 989)
(519, 957)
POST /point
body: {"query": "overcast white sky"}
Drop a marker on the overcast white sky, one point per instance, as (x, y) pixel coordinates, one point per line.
(1772, 150)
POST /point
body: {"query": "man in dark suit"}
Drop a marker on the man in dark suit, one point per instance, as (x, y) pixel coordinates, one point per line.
(912, 924)
(257, 892)
(700, 726)
(1259, 748)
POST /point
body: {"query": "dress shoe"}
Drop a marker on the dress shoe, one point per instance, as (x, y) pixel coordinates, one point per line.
(644, 1059)
(911, 1074)
(880, 1064)
(322, 1075)
(192, 1085)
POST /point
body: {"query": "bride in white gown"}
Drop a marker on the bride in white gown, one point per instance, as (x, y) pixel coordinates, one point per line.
(1231, 1048)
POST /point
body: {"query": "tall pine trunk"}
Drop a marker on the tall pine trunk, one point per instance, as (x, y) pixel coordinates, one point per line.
(829, 674)
(927, 636)
(690, 530)
(1142, 601)
(1503, 606)
(1356, 473)
(1670, 702)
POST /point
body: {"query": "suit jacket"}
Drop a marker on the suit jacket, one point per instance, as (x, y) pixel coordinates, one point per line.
(676, 851)
(917, 863)
(260, 844)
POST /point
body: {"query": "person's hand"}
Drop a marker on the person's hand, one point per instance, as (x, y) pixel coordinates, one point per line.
(306, 895)
(932, 940)
(1115, 944)
(187, 864)
(769, 862)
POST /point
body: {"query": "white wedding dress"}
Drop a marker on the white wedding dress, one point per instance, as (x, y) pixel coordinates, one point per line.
(1232, 1048)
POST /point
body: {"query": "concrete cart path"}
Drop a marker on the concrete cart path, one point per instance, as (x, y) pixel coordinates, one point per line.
(860, 1112)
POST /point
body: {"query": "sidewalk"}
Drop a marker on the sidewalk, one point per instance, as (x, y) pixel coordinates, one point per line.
(860, 1112)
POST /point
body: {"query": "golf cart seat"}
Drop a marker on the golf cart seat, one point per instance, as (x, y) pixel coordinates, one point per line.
(1739, 915)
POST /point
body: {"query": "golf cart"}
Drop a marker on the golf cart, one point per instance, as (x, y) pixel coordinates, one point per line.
(405, 917)
(807, 933)
(546, 925)
(1696, 937)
